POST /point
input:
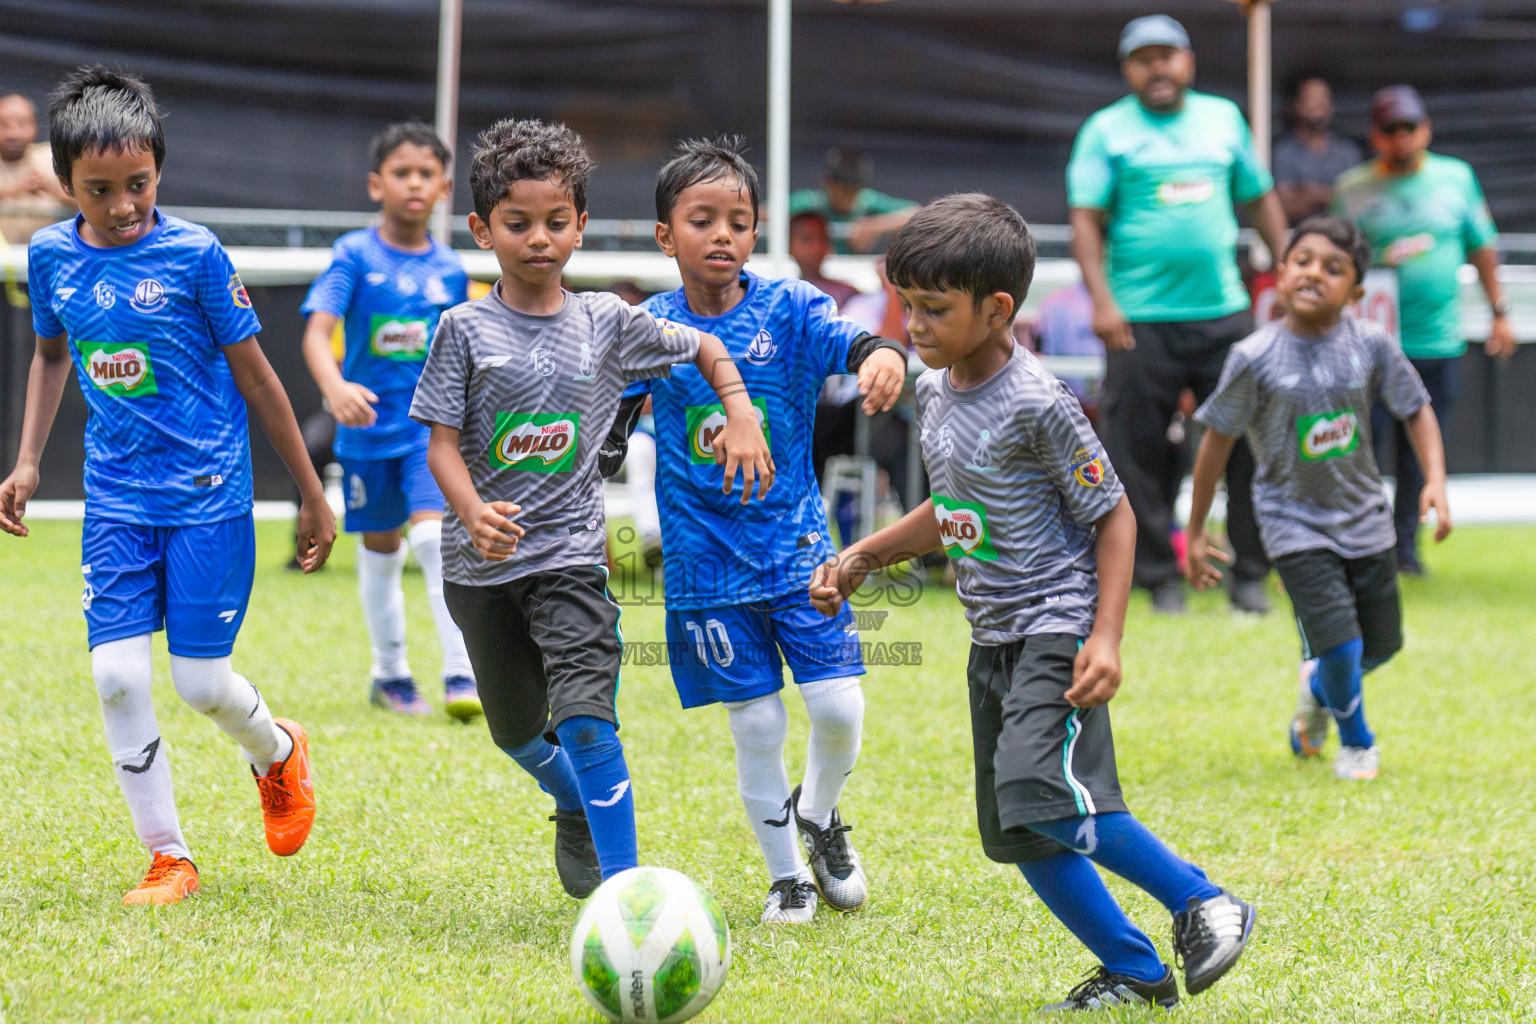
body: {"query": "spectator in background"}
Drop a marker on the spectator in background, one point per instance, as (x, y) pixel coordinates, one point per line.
(1064, 327)
(846, 200)
(1425, 216)
(1157, 173)
(1310, 156)
(809, 247)
(30, 194)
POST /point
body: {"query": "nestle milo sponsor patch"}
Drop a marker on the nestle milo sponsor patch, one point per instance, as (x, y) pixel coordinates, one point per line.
(705, 423)
(535, 442)
(1329, 435)
(963, 528)
(398, 337)
(122, 369)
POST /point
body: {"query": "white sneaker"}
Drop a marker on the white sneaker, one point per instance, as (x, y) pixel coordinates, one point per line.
(834, 864)
(790, 901)
(1357, 764)
(1309, 725)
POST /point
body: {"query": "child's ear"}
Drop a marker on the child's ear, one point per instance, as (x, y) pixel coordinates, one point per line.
(1002, 310)
(375, 186)
(665, 241)
(581, 225)
(1355, 295)
(481, 230)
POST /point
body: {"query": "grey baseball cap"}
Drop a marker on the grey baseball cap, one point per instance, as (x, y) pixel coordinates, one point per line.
(1153, 30)
(1397, 104)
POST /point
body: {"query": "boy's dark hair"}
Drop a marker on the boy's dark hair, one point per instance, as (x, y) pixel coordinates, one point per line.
(847, 166)
(1345, 234)
(699, 161)
(95, 108)
(410, 133)
(510, 151)
(969, 242)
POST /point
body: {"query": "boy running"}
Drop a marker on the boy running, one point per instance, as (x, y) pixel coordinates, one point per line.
(163, 341)
(1301, 389)
(519, 389)
(390, 284)
(1043, 541)
(735, 577)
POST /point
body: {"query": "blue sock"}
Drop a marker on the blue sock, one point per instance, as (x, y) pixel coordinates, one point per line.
(550, 768)
(597, 757)
(847, 514)
(1072, 890)
(1337, 685)
(1119, 843)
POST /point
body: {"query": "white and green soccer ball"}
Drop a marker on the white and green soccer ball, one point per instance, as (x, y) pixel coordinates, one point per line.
(650, 945)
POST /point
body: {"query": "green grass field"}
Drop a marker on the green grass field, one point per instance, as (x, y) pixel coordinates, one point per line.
(427, 892)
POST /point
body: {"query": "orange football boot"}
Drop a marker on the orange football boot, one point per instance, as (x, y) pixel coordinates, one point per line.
(169, 879)
(288, 795)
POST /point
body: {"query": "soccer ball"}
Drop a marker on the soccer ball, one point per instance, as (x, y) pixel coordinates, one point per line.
(650, 945)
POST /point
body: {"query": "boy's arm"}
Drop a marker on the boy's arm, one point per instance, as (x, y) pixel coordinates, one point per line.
(1210, 464)
(351, 404)
(913, 535)
(614, 447)
(740, 443)
(46, 381)
(264, 393)
(1096, 672)
(1423, 431)
(881, 365)
(494, 535)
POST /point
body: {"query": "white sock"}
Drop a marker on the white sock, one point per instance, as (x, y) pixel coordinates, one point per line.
(640, 483)
(378, 584)
(210, 687)
(836, 707)
(124, 677)
(426, 539)
(759, 727)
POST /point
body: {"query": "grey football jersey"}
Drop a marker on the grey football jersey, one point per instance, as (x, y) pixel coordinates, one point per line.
(1018, 479)
(1305, 404)
(533, 397)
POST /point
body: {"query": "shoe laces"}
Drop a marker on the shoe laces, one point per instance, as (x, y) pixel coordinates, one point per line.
(275, 797)
(791, 892)
(160, 869)
(831, 844)
(1096, 984)
(1197, 927)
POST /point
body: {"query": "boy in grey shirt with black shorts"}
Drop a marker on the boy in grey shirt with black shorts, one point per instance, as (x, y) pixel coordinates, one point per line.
(519, 389)
(1043, 541)
(1301, 389)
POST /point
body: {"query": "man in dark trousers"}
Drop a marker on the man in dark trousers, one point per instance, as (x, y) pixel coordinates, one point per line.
(1155, 175)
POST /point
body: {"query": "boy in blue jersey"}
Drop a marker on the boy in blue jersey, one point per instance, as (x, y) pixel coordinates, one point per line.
(160, 331)
(736, 576)
(390, 283)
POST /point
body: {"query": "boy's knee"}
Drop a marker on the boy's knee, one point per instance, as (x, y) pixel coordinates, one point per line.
(589, 741)
(835, 703)
(122, 672)
(759, 724)
(202, 683)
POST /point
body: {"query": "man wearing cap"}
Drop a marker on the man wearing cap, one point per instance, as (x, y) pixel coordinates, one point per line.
(1156, 175)
(846, 202)
(1425, 216)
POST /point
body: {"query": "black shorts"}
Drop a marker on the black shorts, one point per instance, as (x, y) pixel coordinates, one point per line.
(545, 647)
(1037, 757)
(1338, 599)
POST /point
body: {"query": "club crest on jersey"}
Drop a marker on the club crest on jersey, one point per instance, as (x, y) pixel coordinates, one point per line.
(1328, 436)
(149, 296)
(963, 528)
(105, 295)
(123, 370)
(237, 292)
(1087, 467)
(436, 292)
(704, 423)
(981, 455)
(586, 369)
(762, 349)
(535, 442)
(398, 337)
(543, 361)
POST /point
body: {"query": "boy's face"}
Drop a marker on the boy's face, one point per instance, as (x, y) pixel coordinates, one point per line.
(116, 193)
(18, 128)
(841, 195)
(408, 183)
(809, 245)
(947, 325)
(1317, 280)
(711, 231)
(533, 231)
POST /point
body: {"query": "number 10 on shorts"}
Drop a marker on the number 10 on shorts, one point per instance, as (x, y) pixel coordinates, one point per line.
(711, 639)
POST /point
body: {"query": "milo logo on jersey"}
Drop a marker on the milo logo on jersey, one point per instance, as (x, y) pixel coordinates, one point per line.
(963, 529)
(705, 423)
(1185, 193)
(398, 337)
(1328, 436)
(119, 369)
(536, 442)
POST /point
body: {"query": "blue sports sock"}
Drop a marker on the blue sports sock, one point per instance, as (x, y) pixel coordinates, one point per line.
(597, 757)
(847, 514)
(1072, 890)
(550, 768)
(1119, 843)
(1338, 678)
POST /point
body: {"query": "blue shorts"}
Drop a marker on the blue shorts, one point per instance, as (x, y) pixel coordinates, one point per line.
(193, 581)
(383, 493)
(733, 653)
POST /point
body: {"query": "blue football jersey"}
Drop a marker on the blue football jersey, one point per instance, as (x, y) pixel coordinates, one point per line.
(167, 442)
(389, 301)
(786, 338)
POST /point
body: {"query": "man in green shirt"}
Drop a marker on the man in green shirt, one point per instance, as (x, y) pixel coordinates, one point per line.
(1155, 175)
(1425, 216)
(860, 216)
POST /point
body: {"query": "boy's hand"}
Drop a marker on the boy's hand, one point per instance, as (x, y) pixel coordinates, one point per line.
(741, 445)
(880, 379)
(1095, 673)
(494, 535)
(836, 578)
(352, 404)
(14, 492)
(1197, 560)
(316, 532)
(1433, 497)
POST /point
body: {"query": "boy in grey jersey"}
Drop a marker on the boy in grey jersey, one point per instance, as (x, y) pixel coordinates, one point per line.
(519, 389)
(1301, 390)
(1043, 541)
